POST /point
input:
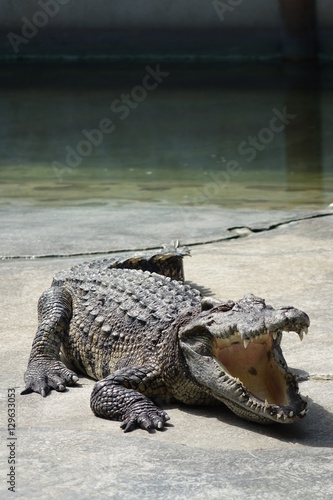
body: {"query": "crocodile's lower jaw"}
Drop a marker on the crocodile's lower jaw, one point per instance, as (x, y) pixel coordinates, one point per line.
(266, 389)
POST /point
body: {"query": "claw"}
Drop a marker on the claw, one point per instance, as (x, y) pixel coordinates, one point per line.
(44, 375)
(146, 420)
(128, 426)
(27, 390)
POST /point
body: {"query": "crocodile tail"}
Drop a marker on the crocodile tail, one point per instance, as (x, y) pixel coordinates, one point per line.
(168, 261)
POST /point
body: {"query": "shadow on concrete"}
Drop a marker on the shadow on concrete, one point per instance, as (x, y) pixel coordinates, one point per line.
(315, 430)
(205, 291)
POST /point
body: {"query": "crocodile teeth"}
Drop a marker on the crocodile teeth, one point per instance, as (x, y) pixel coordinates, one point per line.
(291, 414)
(246, 343)
(274, 335)
(300, 334)
(279, 415)
(305, 330)
(303, 413)
(266, 403)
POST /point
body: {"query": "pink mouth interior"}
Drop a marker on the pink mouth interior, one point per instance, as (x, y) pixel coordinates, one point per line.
(254, 366)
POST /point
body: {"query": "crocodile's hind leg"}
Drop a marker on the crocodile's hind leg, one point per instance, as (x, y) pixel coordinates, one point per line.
(45, 370)
(117, 397)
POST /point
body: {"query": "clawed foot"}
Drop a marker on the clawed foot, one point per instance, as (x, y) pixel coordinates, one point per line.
(43, 375)
(145, 415)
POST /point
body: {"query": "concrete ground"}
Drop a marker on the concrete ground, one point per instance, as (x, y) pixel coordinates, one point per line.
(63, 451)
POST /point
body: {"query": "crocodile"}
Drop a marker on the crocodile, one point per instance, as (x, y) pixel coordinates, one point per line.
(149, 339)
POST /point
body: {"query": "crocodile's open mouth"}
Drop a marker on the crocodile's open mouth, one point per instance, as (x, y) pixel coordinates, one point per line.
(249, 375)
(254, 366)
(260, 374)
(233, 349)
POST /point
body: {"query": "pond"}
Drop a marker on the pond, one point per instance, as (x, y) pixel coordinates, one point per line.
(256, 136)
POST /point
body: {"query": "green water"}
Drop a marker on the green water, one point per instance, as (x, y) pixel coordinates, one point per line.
(185, 142)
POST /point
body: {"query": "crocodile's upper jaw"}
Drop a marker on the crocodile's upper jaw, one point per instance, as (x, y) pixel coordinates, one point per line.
(249, 374)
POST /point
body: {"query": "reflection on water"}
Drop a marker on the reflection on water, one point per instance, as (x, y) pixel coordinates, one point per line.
(236, 137)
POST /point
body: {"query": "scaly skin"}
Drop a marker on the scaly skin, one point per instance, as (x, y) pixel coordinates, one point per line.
(145, 336)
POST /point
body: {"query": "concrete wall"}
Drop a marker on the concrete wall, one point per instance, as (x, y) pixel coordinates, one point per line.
(125, 28)
(126, 14)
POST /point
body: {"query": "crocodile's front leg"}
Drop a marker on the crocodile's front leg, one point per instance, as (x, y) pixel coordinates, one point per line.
(45, 370)
(117, 397)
